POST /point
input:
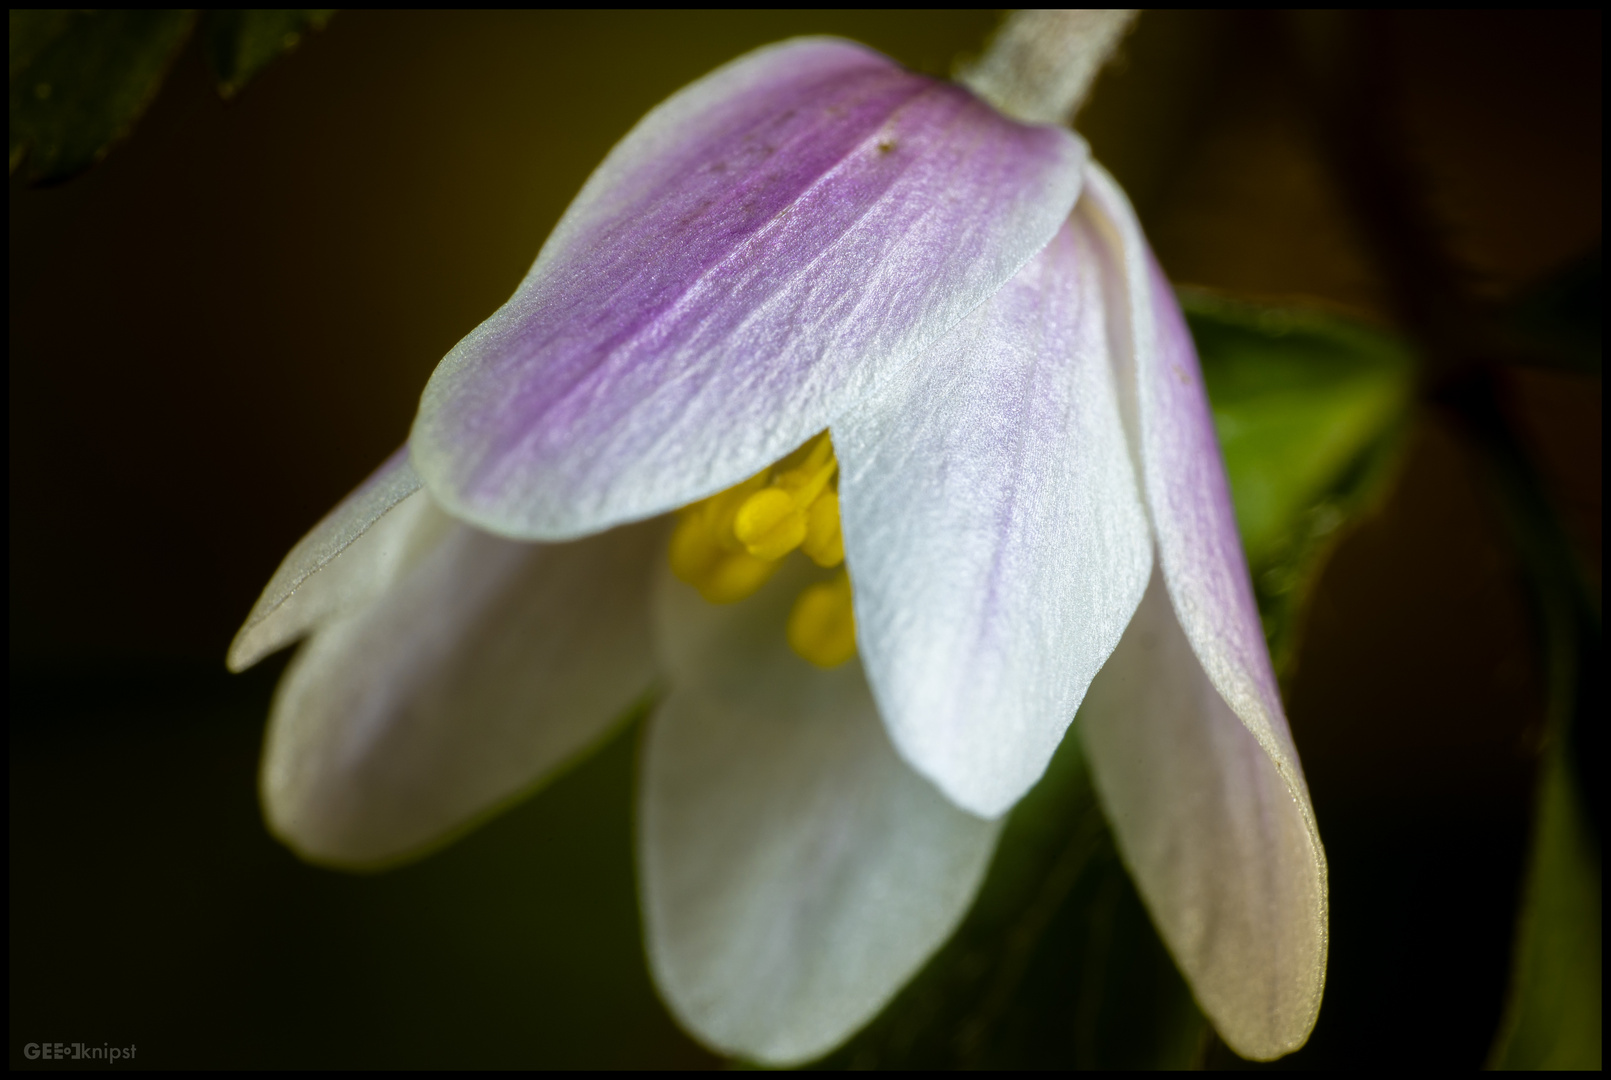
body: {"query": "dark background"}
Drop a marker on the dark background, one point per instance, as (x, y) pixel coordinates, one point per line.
(222, 328)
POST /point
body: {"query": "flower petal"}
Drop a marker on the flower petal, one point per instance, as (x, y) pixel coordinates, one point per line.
(1263, 999)
(770, 242)
(1221, 845)
(486, 667)
(1183, 477)
(355, 552)
(994, 530)
(795, 872)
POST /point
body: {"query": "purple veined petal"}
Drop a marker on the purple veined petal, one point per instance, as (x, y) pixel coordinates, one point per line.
(794, 872)
(766, 245)
(1222, 848)
(1205, 575)
(994, 530)
(353, 553)
(487, 667)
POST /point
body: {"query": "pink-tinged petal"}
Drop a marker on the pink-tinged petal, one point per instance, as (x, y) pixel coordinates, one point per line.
(1206, 578)
(771, 242)
(489, 665)
(994, 530)
(354, 553)
(1184, 480)
(795, 873)
(1221, 845)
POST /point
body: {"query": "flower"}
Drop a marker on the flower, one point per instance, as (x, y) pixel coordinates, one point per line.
(1034, 514)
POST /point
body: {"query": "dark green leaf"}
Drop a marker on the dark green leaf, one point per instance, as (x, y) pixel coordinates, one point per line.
(1310, 410)
(240, 44)
(1057, 965)
(32, 31)
(80, 80)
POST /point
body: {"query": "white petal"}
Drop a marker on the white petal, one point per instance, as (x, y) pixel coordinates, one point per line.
(764, 247)
(489, 665)
(1221, 845)
(354, 553)
(994, 531)
(1257, 963)
(1183, 477)
(795, 872)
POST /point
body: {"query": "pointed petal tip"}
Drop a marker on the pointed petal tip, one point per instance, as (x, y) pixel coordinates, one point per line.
(350, 554)
(243, 653)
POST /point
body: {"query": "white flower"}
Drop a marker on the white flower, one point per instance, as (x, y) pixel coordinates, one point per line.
(813, 239)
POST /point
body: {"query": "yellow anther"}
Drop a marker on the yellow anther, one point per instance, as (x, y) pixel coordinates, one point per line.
(822, 626)
(823, 540)
(721, 576)
(736, 577)
(728, 545)
(810, 479)
(773, 522)
(770, 524)
(720, 510)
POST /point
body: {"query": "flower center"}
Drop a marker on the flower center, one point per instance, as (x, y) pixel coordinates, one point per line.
(728, 545)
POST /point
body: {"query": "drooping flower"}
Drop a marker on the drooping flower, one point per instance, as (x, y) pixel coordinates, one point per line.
(814, 301)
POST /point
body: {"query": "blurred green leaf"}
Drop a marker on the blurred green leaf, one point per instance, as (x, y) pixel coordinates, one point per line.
(1552, 1012)
(1553, 1018)
(32, 31)
(1310, 409)
(240, 43)
(1056, 965)
(80, 80)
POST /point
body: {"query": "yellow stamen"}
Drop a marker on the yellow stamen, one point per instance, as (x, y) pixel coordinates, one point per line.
(823, 540)
(729, 545)
(822, 626)
(773, 522)
(769, 524)
(721, 576)
(721, 509)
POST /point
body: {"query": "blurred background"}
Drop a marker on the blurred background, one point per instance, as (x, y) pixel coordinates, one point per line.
(219, 330)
